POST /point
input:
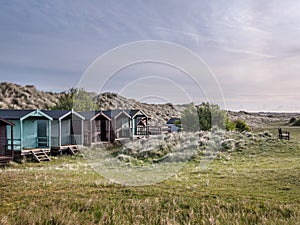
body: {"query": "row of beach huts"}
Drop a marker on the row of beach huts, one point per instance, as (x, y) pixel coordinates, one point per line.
(25, 132)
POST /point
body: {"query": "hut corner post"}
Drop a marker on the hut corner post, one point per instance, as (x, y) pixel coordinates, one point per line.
(12, 140)
(21, 135)
(82, 132)
(49, 134)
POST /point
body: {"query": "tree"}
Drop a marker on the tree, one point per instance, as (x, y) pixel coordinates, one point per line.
(190, 119)
(204, 117)
(211, 115)
(77, 99)
(204, 114)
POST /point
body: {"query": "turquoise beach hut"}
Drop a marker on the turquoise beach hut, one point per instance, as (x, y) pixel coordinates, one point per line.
(32, 130)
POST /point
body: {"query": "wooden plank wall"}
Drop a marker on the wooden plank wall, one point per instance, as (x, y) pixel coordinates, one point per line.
(3, 139)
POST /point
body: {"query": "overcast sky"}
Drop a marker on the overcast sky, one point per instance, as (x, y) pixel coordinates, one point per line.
(251, 46)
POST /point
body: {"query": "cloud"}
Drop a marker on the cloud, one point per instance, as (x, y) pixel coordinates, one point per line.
(250, 45)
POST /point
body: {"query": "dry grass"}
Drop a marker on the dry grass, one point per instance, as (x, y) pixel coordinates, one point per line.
(258, 185)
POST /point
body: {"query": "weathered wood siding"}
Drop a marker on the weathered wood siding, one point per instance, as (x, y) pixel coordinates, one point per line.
(3, 139)
(17, 134)
(76, 130)
(122, 126)
(55, 133)
(86, 133)
(65, 132)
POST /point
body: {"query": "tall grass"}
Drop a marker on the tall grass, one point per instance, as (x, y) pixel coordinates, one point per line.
(259, 184)
(155, 210)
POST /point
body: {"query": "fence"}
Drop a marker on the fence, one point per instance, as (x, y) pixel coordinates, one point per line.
(42, 142)
(151, 130)
(17, 144)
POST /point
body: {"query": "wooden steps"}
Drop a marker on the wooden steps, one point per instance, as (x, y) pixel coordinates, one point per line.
(40, 155)
(66, 149)
(73, 149)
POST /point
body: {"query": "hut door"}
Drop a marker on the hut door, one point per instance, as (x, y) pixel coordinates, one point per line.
(103, 130)
(29, 134)
(76, 131)
(65, 132)
(42, 138)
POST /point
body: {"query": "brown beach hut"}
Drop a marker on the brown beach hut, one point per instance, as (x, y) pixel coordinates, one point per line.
(6, 150)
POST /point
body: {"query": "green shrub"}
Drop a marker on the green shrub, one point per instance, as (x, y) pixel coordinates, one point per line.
(190, 119)
(211, 115)
(292, 120)
(296, 123)
(230, 125)
(241, 125)
(204, 117)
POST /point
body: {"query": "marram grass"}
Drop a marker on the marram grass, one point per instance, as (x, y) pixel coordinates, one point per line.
(259, 184)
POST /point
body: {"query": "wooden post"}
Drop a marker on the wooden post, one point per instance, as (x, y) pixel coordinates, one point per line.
(12, 140)
(115, 128)
(21, 135)
(49, 134)
(134, 127)
(59, 133)
(109, 131)
(130, 128)
(82, 133)
(91, 127)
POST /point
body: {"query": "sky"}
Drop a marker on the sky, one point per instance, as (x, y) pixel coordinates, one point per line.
(251, 47)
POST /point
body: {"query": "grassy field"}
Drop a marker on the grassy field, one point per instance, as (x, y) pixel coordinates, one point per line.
(258, 185)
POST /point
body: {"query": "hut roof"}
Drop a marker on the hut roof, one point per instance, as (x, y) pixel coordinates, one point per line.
(93, 114)
(17, 114)
(6, 122)
(115, 113)
(133, 112)
(14, 113)
(60, 114)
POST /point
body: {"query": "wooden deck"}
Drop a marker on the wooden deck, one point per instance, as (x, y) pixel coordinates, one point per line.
(28, 152)
(5, 159)
(68, 149)
(63, 147)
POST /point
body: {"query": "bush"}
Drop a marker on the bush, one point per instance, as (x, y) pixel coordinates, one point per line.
(292, 120)
(190, 119)
(241, 125)
(230, 125)
(204, 116)
(265, 134)
(296, 123)
(228, 145)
